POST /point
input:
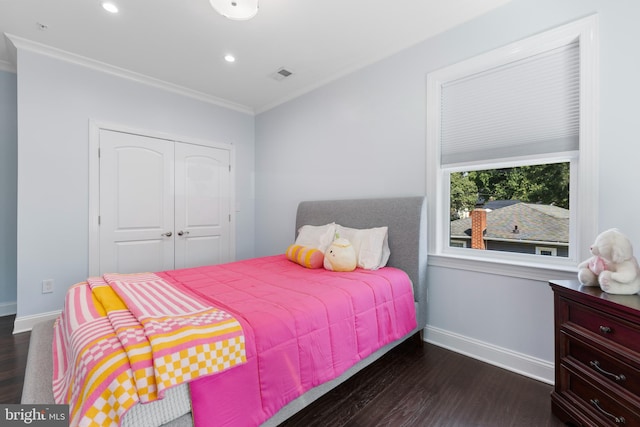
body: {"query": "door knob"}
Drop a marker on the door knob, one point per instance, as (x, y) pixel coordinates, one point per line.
(180, 233)
(167, 234)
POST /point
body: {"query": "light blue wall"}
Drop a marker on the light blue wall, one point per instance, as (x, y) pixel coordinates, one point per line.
(361, 136)
(364, 135)
(8, 191)
(54, 109)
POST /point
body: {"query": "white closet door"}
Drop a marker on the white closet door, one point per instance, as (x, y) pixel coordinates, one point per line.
(203, 205)
(136, 203)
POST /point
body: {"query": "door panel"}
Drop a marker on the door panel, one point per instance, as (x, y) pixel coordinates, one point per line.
(136, 203)
(199, 251)
(140, 256)
(202, 183)
(140, 195)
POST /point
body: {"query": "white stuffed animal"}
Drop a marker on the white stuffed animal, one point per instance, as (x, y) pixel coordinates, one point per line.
(612, 265)
(340, 256)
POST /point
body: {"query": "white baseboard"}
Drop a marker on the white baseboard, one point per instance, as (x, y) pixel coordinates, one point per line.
(26, 323)
(8, 308)
(520, 363)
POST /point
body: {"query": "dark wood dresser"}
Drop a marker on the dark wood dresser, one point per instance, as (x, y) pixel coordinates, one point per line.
(597, 356)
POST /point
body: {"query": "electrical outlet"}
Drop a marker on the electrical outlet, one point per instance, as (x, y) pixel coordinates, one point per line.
(47, 286)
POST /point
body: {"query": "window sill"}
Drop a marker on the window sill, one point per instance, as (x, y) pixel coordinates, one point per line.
(540, 272)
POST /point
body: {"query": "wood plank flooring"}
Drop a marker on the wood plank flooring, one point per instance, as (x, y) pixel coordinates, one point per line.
(416, 384)
(13, 360)
(420, 384)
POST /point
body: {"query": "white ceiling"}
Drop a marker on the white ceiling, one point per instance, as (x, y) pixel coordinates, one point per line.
(183, 42)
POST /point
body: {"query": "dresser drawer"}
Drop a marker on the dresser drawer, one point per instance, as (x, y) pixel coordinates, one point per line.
(603, 405)
(607, 366)
(610, 327)
(597, 356)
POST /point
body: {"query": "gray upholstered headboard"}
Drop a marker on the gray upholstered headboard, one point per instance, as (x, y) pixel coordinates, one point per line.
(406, 218)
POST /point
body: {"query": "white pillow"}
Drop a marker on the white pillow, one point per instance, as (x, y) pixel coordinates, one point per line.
(316, 236)
(371, 245)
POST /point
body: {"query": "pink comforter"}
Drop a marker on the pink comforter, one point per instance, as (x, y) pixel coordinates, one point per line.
(302, 328)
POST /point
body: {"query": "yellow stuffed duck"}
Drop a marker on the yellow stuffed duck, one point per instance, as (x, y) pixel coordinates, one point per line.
(340, 256)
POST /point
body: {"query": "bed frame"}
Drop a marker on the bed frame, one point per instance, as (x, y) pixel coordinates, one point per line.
(407, 221)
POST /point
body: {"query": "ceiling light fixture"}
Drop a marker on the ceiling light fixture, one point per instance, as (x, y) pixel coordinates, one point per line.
(110, 7)
(230, 58)
(238, 10)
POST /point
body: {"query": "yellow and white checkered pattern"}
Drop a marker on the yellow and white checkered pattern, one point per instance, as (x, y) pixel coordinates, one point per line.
(199, 360)
(112, 402)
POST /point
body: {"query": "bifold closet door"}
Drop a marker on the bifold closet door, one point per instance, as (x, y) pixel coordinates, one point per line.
(163, 204)
(136, 203)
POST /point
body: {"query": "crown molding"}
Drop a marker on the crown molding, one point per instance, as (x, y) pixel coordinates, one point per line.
(25, 44)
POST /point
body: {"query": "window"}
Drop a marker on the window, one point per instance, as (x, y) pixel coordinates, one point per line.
(511, 147)
(514, 209)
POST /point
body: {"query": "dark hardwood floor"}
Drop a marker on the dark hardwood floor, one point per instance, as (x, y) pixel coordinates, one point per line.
(420, 384)
(416, 384)
(13, 360)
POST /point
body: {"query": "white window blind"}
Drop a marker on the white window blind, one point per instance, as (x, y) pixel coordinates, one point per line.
(527, 107)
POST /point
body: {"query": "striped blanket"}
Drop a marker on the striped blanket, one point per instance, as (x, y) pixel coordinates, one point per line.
(124, 339)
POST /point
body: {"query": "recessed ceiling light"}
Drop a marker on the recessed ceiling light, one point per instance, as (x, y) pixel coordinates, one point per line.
(229, 58)
(110, 7)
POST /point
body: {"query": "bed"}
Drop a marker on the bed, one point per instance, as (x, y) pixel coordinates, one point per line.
(406, 221)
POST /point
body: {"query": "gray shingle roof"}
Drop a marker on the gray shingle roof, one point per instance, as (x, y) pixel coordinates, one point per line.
(535, 222)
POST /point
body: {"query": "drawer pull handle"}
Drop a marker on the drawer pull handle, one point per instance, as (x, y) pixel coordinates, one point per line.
(597, 367)
(605, 329)
(617, 420)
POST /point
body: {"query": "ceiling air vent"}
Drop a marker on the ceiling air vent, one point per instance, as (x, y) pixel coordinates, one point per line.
(282, 74)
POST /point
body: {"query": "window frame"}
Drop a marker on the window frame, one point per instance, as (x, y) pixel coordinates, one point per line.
(583, 163)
